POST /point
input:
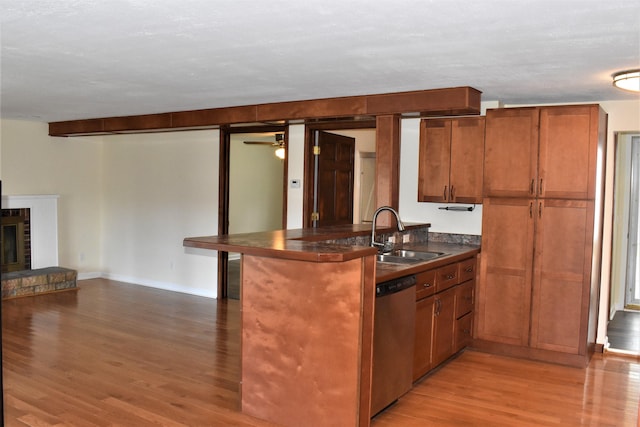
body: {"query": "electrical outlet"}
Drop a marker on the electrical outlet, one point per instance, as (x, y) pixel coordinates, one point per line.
(406, 238)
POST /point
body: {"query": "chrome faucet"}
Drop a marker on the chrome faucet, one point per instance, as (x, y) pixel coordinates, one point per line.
(386, 246)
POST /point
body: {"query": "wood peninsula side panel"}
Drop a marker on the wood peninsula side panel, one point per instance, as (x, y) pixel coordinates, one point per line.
(307, 329)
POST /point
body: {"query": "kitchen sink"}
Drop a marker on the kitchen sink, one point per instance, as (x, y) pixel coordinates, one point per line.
(404, 256)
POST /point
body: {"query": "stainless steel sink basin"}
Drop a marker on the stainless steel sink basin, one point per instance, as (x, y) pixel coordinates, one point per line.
(403, 256)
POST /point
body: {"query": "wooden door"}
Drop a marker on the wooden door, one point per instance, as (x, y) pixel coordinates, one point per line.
(335, 179)
(444, 325)
(568, 151)
(511, 152)
(504, 290)
(423, 337)
(467, 159)
(561, 275)
(434, 160)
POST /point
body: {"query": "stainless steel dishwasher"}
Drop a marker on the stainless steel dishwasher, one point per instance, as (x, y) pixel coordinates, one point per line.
(393, 335)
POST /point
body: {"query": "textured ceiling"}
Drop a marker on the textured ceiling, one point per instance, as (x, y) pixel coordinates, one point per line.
(73, 59)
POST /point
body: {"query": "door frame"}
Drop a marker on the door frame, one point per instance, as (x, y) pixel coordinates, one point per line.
(310, 128)
(223, 189)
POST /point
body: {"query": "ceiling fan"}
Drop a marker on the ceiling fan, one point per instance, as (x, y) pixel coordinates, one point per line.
(279, 142)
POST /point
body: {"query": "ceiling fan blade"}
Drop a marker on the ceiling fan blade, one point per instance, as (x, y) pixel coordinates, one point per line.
(261, 143)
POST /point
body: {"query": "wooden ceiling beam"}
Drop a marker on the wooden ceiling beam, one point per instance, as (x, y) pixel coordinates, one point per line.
(432, 102)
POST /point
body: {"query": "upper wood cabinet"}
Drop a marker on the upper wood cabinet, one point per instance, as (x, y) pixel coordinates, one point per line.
(511, 152)
(450, 160)
(548, 152)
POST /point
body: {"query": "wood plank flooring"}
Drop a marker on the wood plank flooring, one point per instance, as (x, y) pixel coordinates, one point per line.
(113, 354)
(623, 331)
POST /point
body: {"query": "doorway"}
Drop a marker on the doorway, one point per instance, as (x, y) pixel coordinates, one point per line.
(253, 164)
(361, 197)
(623, 330)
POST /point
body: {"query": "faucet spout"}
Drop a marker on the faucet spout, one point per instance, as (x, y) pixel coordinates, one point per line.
(384, 247)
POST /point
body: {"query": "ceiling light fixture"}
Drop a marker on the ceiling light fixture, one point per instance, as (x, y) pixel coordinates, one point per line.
(627, 80)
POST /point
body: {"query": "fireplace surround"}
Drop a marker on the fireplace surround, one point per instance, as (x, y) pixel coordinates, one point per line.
(43, 226)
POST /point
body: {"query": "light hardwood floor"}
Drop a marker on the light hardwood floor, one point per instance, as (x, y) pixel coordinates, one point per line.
(118, 354)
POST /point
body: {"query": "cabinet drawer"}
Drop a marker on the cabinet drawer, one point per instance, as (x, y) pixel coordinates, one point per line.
(467, 269)
(464, 298)
(463, 332)
(425, 284)
(446, 277)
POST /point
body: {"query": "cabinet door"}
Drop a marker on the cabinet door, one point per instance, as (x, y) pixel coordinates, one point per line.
(444, 323)
(467, 159)
(561, 276)
(423, 337)
(568, 151)
(434, 157)
(504, 291)
(511, 152)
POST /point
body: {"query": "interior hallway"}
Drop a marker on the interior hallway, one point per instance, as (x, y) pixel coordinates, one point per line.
(118, 354)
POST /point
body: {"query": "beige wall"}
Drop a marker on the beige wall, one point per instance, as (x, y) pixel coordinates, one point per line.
(255, 185)
(126, 202)
(158, 189)
(34, 163)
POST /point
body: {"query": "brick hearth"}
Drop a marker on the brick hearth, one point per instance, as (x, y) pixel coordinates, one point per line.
(38, 281)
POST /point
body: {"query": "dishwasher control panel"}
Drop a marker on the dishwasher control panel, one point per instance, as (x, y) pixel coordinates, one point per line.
(395, 285)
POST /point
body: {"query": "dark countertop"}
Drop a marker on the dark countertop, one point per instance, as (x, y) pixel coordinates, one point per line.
(310, 244)
(304, 244)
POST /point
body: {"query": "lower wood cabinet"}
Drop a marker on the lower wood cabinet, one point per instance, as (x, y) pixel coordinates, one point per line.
(444, 314)
(423, 337)
(539, 279)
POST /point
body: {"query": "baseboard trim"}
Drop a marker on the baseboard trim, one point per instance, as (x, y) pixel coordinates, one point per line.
(167, 286)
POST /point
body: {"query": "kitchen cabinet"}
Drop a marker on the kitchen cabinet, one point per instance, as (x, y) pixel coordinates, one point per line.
(444, 312)
(450, 160)
(504, 291)
(443, 326)
(561, 273)
(423, 337)
(548, 152)
(541, 242)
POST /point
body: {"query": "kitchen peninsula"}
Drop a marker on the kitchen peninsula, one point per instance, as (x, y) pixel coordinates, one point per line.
(307, 300)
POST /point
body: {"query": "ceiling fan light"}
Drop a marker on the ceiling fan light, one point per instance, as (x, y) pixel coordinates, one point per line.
(280, 153)
(627, 80)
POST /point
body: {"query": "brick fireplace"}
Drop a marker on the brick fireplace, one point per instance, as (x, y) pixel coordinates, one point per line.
(30, 247)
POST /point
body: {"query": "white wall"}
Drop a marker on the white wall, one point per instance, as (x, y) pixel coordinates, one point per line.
(158, 189)
(296, 172)
(410, 209)
(34, 163)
